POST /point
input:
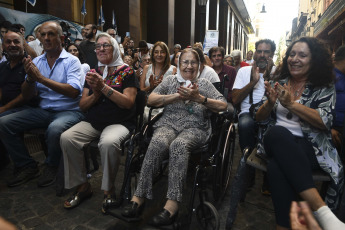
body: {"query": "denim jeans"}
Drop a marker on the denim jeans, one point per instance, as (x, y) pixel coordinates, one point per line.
(31, 118)
(3, 152)
(246, 131)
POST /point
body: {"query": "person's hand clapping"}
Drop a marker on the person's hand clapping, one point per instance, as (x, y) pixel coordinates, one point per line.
(284, 95)
(301, 217)
(31, 69)
(191, 92)
(270, 93)
(95, 81)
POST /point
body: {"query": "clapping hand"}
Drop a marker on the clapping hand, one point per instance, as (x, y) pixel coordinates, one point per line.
(191, 92)
(301, 217)
(31, 69)
(270, 93)
(95, 81)
(284, 95)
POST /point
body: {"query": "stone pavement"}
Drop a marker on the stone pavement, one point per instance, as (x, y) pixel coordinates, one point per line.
(30, 207)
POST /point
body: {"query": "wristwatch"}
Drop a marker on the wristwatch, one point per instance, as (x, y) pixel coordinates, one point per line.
(205, 101)
(110, 92)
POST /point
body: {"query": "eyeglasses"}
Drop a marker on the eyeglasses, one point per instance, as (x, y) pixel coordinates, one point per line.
(185, 63)
(113, 35)
(105, 46)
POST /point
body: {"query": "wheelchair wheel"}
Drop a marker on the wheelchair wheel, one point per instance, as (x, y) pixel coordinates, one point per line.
(227, 159)
(224, 163)
(207, 216)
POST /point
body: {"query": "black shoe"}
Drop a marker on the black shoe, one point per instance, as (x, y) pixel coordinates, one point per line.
(110, 201)
(48, 176)
(163, 218)
(132, 210)
(22, 175)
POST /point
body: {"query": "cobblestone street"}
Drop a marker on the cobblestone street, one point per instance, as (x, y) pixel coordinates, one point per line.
(30, 207)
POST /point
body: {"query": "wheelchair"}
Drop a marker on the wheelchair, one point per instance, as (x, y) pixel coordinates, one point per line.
(213, 161)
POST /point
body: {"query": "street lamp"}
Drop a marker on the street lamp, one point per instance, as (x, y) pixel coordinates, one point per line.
(202, 4)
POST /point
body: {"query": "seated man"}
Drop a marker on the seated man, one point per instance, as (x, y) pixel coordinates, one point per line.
(217, 56)
(12, 75)
(55, 77)
(248, 90)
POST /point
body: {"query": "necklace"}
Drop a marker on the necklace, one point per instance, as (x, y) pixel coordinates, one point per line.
(297, 92)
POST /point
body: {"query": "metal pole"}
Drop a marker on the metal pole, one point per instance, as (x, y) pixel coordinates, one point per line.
(26, 6)
(202, 22)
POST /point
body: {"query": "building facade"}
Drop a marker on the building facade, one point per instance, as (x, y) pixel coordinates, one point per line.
(324, 19)
(172, 21)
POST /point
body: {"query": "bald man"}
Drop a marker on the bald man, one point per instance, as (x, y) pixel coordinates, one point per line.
(55, 78)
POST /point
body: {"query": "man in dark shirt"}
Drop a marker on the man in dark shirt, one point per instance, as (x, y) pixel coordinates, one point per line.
(88, 45)
(216, 55)
(12, 75)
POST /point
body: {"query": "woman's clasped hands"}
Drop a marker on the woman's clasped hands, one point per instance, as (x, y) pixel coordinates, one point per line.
(191, 92)
(95, 81)
(280, 92)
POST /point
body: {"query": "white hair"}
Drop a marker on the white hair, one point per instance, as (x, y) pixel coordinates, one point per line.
(236, 53)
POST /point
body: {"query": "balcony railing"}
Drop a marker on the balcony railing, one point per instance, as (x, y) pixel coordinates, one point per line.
(335, 7)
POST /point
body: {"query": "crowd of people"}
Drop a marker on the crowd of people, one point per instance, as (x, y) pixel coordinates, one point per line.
(86, 90)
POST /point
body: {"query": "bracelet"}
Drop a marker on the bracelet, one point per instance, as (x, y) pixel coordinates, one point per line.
(110, 92)
(103, 87)
(163, 100)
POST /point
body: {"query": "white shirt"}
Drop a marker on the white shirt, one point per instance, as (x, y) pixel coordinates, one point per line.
(242, 79)
(293, 124)
(37, 46)
(209, 74)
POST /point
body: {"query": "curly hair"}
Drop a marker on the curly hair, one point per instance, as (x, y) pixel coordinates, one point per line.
(321, 67)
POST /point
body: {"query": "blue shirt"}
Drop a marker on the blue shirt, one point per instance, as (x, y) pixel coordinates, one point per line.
(340, 103)
(66, 69)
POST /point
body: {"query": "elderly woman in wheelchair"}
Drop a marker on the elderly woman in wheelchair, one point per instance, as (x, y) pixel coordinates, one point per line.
(184, 126)
(299, 108)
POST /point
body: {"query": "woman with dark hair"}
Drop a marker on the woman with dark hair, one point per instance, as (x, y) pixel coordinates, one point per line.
(129, 52)
(175, 58)
(85, 68)
(154, 73)
(206, 71)
(299, 109)
(184, 125)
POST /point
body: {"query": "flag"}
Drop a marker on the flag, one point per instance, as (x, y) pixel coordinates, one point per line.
(101, 20)
(83, 9)
(114, 22)
(32, 2)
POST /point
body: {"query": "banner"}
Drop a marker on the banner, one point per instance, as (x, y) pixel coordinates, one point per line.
(211, 40)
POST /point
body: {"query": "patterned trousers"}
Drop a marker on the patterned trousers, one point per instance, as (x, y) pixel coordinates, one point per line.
(168, 143)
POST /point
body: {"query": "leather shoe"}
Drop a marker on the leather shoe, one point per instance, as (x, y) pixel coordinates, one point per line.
(163, 218)
(132, 210)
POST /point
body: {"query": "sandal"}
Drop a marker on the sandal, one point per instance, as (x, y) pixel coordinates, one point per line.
(110, 201)
(78, 197)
